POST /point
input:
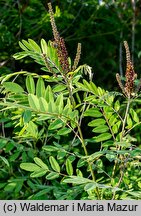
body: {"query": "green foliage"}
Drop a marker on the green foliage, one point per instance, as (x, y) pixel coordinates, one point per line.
(89, 22)
(62, 136)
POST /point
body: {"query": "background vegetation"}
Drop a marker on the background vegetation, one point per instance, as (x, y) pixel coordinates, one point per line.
(101, 27)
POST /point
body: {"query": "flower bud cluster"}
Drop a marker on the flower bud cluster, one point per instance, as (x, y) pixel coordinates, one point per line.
(129, 88)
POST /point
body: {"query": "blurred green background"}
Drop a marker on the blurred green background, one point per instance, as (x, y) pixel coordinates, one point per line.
(101, 26)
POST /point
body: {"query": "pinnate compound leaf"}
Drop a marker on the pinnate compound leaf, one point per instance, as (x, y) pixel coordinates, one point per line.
(102, 137)
(96, 122)
(59, 103)
(49, 148)
(40, 163)
(29, 167)
(81, 162)
(101, 91)
(49, 94)
(13, 87)
(129, 122)
(87, 85)
(27, 45)
(101, 129)
(59, 88)
(33, 102)
(69, 167)
(54, 164)
(20, 55)
(22, 46)
(64, 131)
(93, 112)
(32, 129)
(43, 105)
(122, 144)
(95, 155)
(30, 85)
(79, 173)
(90, 186)
(52, 175)
(93, 88)
(56, 124)
(38, 173)
(77, 180)
(81, 86)
(134, 115)
(40, 87)
(27, 116)
(44, 46)
(117, 105)
(112, 120)
(116, 126)
(4, 160)
(34, 46)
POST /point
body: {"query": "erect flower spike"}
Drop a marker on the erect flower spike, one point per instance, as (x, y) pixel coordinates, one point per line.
(59, 43)
(77, 57)
(130, 75)
(53, 24)
(120, 83)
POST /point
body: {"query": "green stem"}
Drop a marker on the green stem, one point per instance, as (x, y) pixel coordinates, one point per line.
(86, 153)
(125, 119)
(110, 128)
(68, 83)
(121, 139)
(82, 140)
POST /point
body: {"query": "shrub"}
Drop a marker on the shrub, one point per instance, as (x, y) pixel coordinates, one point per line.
(68, 138)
